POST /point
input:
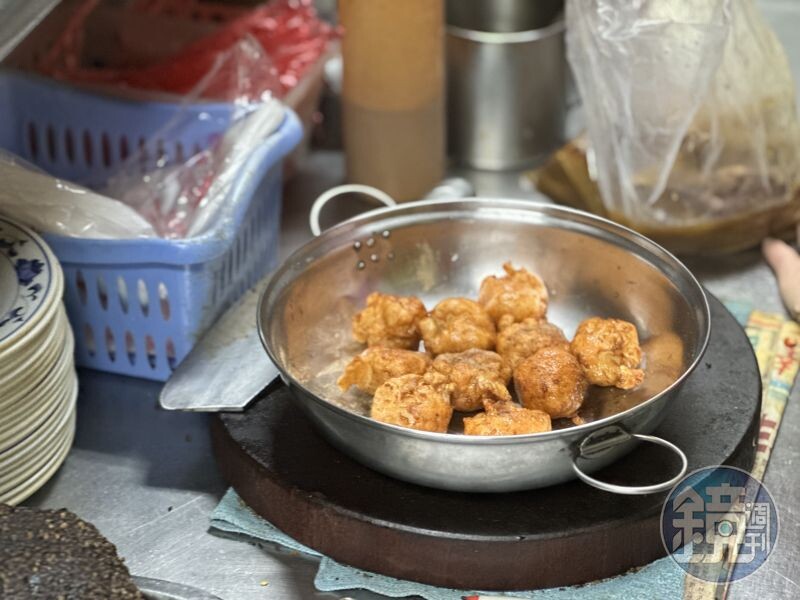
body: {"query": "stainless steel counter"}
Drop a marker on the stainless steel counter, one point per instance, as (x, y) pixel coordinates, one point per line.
(147, 478)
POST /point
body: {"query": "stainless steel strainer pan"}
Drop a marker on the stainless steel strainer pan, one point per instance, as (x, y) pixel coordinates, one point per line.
(438, 249)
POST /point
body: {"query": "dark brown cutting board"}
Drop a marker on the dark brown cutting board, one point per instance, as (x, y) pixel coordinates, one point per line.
(562, 535)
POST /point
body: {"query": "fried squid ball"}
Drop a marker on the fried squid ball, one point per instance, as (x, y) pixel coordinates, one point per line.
(551, 380)
(516, 296)
(609, 351)
(389, 321)
(456, 325)
(415, 401)
(477, 375)
(374, 366)
(506, 418)
(518, 341)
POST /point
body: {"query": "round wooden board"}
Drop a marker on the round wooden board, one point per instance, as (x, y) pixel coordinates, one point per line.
(562, 535)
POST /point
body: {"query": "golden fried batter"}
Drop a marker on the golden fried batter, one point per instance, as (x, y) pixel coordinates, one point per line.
(456, 325)
(551, 380)
(477, 375)
(517, 296)
(415, 401)
(518, 341)
(374, 366)
(609, 351)
(389, 321)
(506, 418)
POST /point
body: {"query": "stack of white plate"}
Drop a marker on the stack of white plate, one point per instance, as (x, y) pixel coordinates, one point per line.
(38, 385)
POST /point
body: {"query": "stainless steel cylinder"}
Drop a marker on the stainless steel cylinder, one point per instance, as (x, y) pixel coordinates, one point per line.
(507, 81)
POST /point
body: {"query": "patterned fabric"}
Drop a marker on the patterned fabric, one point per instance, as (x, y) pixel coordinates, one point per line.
(775, 341)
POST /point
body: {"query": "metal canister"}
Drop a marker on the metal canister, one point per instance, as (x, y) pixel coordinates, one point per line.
(507, 81)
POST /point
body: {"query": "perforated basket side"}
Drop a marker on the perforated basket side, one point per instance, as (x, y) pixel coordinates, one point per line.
(125, 320)
(83, 137)
(143, 319)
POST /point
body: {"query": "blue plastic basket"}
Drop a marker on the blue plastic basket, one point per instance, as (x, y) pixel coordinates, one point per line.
(138, 306)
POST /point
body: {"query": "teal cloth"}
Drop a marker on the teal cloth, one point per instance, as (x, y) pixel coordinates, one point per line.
(740, 310)
(661, 580)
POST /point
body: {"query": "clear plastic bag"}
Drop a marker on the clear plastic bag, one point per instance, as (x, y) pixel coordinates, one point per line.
(690, 108)
(52, 205)
(181, 199)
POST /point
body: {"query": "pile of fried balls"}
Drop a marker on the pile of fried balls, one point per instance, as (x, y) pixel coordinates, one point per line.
(472, 351)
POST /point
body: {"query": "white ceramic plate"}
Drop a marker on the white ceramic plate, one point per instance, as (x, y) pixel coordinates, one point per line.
(29, 278)
(31, 376)
(31, 373)
(40, 471)
(30, 447)
(32, 348)
(26, 415)
(27, 460)
(43, 475)
(43, 417)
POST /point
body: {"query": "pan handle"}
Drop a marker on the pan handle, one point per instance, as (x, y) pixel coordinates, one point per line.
(588, 448)
(350, 188)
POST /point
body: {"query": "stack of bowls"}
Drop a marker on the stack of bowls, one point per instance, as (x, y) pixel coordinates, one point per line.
(38, 384)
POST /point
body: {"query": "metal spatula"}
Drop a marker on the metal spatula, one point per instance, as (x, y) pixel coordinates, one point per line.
(227, 368)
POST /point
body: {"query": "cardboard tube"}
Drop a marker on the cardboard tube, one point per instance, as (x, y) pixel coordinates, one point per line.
(393, 94)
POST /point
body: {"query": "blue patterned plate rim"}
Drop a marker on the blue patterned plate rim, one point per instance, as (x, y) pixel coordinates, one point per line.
(26, 277)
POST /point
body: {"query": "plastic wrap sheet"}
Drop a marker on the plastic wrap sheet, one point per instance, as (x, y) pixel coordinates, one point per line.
(153, 193)
(690, 108)
(182, 199)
